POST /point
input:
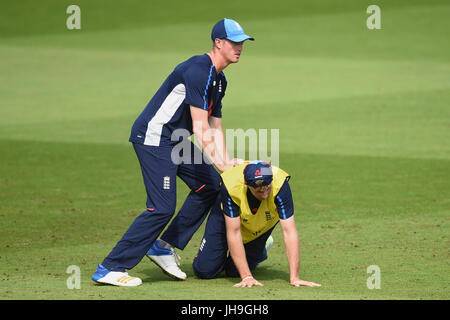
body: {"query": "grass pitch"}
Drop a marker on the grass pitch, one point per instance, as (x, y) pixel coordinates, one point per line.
(364, 132)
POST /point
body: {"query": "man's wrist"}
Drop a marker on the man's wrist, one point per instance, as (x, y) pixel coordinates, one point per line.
(224, 166)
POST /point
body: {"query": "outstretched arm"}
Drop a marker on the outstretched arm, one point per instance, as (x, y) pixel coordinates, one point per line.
(209, 134)
(293, 252)
(237, 251)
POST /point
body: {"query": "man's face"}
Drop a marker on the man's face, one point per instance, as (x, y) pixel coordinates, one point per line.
(230, 50)
(261, 192)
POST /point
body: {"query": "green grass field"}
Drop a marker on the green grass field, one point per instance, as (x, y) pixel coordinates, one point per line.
(364, 120)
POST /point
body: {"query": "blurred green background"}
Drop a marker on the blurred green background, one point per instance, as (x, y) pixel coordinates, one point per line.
(364, 124)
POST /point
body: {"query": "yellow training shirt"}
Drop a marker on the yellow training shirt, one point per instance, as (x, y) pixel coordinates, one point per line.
(253, 224)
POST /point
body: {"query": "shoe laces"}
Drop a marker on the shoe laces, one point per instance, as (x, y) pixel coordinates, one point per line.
(176, 256)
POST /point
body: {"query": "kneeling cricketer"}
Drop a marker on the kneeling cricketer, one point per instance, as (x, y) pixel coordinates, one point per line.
(253, 198)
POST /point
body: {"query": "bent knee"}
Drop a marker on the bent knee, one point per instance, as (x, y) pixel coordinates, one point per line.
(205, 272)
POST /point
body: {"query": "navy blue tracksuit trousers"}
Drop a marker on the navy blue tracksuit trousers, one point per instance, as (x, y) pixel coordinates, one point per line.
(213, 258)
(159, 174)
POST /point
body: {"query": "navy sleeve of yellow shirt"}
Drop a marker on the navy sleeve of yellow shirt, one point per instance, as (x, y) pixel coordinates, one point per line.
(284, 202)
(230, 208)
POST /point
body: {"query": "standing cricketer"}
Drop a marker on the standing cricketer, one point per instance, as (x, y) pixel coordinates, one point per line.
(189, 100)
(254, 197)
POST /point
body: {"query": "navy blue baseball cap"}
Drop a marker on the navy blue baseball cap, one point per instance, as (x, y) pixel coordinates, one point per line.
(258, 170)
(229, 29)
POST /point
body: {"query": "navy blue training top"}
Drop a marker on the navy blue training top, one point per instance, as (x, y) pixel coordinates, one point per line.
(193, 82)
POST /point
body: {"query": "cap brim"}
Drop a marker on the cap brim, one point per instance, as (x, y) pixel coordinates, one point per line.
(240, 38)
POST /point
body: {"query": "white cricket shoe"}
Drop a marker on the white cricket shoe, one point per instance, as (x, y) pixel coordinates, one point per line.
(115, 278)
(167, 259)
